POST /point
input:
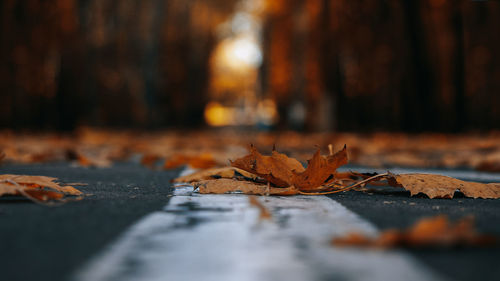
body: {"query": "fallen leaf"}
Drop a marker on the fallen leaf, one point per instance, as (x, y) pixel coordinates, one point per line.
(277, 169)
(321, 178)
(434, 186)
(221, 186)
(264, 213)
(216, 173)
(438, 186)
(36, 188)
(320, 170)
(283, 171)
(427, 232)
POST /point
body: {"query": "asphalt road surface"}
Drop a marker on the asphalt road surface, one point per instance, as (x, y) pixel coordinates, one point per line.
(52, 243)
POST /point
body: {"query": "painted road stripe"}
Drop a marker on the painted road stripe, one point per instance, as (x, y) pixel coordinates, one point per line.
(220, 237)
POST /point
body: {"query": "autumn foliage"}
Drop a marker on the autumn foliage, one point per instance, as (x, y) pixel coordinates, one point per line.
(39, 189)
(286, 176)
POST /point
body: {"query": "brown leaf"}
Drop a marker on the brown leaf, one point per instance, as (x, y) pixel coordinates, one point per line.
(438, 186)
(434, 186)
(427, 232)
(277, 168)
(221, 186)
(320, 170)
(216, 173)
(36, 188)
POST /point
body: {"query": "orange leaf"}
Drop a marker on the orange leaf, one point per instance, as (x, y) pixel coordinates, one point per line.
(283, 171)
(277, 168)
(217, 173)
(221, 186)
(320, 171)
(36, 188)
(438, 186)
(427, 232)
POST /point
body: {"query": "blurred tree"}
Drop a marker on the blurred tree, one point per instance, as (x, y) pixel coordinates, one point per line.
(349, 65)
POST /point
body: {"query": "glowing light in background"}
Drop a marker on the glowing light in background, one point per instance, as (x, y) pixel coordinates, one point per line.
(235, 62)
(239, 54)
(265, 113)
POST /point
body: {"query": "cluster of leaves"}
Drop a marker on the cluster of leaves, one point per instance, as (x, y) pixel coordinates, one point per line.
(39, 189)
(278, 174)
(427, 232)
(100, 148)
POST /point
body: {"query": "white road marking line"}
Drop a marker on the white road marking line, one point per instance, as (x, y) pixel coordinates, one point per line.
(220, 237)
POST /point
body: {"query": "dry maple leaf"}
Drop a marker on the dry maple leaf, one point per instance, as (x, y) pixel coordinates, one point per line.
(320, 170)
(284, 171)
(427, 232)
(217, 173)
(438, 186)
(277, 169)
(36, 188)
(221, 186)
(434, 186)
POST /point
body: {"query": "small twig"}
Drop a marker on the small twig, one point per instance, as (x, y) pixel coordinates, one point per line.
(347, 187)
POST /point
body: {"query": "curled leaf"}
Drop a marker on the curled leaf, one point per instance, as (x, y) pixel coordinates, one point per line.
(217, 173)
(438, 186)
(277, 169)
(320, 170)
(284, 171)
(36, 188)
(222, 186)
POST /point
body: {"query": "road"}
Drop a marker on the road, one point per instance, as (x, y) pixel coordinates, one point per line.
(54, 243)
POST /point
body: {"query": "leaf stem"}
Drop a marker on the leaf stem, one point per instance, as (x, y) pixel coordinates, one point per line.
(347, 187)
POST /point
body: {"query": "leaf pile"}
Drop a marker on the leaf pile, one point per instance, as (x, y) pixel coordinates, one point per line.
(283, 171)
(428, 232)
(39, 189)
(278, 174)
